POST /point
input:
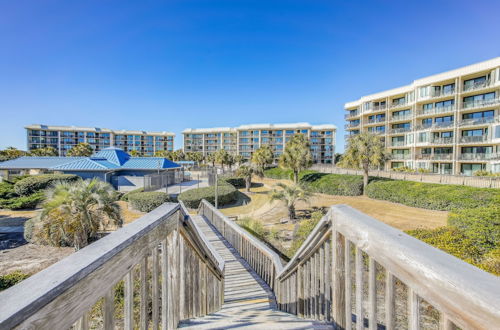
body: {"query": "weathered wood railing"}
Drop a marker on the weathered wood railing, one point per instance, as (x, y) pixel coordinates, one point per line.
(327, 278)
(258, 255)
(355, 268)
(152, 273)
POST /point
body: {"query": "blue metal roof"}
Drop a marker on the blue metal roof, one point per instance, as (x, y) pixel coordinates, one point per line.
(113, 155)
(149, 163)
(36, 162)
(86, 164)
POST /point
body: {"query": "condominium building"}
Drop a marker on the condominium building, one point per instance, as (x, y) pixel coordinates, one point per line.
(246, 139)
(446, 123)
(63, 138)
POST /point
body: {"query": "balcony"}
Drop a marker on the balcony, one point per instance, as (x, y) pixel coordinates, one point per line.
(375, 121)
(443, 140)
(400, 104)
(351, 115)
(474, 139)
(401, 117)
(400, 156)
(399, 130)
(478, 121)
(476, 86)
(351, 125)
(479, 156)
(399, 143)
(442, 93)
(442, 157)
(481, 103)
(435, 111)
(439, 125)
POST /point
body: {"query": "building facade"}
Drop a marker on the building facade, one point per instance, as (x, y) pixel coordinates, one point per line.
(246, 139)
(63, 138)
(446, 123)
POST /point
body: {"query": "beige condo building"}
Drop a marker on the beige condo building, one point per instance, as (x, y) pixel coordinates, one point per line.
(246, 139)
(447, 123)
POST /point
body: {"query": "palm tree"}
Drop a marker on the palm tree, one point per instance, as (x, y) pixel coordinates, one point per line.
(211, 159)
(239, 159)
(246, 172)
(75, 212)
(81, 150)
(132, 153)
(221, 157)
(263, 156)
(364, 151)
(47, 151)
(297, 155)
(290, 195)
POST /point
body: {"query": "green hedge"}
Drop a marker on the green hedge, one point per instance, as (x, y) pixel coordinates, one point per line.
(481, 225)
(235, 181)
(148, 201)
(432, 196)
(7, 190)
(6, 281)
(22, 202)
(192, 198)
(333, 184)
(35, 183)
(127, 194)
(278, 173)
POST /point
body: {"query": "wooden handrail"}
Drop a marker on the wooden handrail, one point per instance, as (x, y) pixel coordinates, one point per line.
(317, 282)
(162, 244)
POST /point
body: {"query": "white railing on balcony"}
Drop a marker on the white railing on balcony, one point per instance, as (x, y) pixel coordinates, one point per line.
(351, 125)
(479, 156)
(399, 104)
(423, 156)
(476, 86)
(442, 92)
(376, 120)
(481, 103)
(438, 125)
(398, 143)
(351, 115)
(474, 139)
(400, 156)
(444, 140)
(442, 156)
(435, 110)
(163, 256)
(479, 121)
(399, 130)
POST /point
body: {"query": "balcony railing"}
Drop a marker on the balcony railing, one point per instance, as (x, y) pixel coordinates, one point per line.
(478, 121)
(399, 130)
(398, 143)
(474, 139)
(401, 117)
(481, 103)
(479, 156)
(441, 92)
(399, 104)
(436, 110)
(443, 140)
(442, 156)
(351, 115)
(435, 125)
(424, 156)
(351, 125)
(400, 156)
(477, 85)
(376, 120)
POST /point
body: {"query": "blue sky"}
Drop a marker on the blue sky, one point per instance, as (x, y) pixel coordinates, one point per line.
(168, 65)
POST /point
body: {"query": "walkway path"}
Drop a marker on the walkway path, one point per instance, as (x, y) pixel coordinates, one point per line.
(248, 301)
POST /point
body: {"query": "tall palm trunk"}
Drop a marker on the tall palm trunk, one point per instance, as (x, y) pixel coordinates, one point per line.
(295, 176)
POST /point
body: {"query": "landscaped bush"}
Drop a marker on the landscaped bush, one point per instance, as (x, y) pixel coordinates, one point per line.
(6, 281)
(432, 196)
(32, 184)
(28, 228)
(278, 173)
(235, 181)
(147, 201)
(7, 190)
(481, 225)
(22, 202)
(227, 194)
(333, 184)
(131, 192)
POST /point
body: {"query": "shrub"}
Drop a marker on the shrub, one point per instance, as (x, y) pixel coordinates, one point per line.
(28, 228)
(485, 173)
(481, 225)
(23, 202)
(333, 184)
(491, 261)
(127, 194)
(278, 173)
(430, 195)
(35, 183)
(7, 190)
(235, 181)
(147, 201)
(192, 198)
(6, 281)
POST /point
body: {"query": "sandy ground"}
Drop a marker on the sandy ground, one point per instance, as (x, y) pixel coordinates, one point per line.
(397, 215)
(129, 215)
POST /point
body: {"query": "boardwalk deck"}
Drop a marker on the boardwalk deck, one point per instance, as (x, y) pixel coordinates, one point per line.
(248, 301)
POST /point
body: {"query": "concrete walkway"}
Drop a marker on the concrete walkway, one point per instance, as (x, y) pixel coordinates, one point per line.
(248, 301)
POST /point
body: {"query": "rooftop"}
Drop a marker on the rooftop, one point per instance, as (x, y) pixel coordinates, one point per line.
(303, 125)
(95, 129)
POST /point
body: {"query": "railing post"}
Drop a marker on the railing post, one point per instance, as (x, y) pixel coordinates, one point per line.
(338, 276)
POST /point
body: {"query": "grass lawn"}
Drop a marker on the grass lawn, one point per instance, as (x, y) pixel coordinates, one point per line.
(397, 215)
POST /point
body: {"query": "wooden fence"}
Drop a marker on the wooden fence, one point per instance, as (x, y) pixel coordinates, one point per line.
(472, 181)
(152, 273)
(352, 269)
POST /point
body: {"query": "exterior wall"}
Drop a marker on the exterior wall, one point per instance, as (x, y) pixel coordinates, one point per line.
(246, 139)
(447, 123)
(89, 175)
(63, 138)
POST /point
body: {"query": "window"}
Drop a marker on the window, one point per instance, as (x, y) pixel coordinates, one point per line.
(424, 91)
(443, 104)
(480, 114)
(427, 122)
(472, 100)
(448, 89)
(477, 150)
(401, 113)
(445, 119)
(423, 137)
(475, 132)
(401, 125)
(443, 150)
(470, 169)
(471, 83)
(426, 151)
(447, 134)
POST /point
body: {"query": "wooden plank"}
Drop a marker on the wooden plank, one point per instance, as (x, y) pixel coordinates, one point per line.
(128, 306)
(155, 289)
(372, 294)
(328, 280)
(144, 321)
(413, 310)
(389, 301)
(445, 323)
(339, 281)
(359, 289)
(83, 322)
(182, 279)
(164, 285)
(348, 285)
(108, 312)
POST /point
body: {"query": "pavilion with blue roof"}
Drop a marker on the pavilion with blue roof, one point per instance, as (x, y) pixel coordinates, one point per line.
(112, 165)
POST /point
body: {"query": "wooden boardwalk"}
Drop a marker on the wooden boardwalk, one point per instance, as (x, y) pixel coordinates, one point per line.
(248, 301)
